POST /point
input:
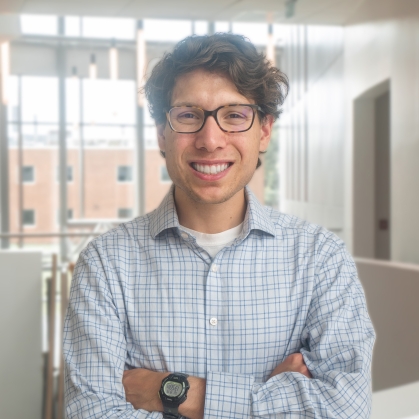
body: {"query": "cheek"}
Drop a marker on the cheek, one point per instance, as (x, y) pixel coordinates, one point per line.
(251, 152)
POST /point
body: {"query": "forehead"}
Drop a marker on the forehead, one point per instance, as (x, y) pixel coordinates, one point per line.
(206, 89)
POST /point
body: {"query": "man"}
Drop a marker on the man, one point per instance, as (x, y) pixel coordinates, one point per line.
(213, 305)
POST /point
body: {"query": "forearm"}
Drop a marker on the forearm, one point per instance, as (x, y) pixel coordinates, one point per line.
(288, 394)
(289, 390)
(81, 402)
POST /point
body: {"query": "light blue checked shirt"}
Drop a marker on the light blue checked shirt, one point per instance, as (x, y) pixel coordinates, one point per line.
(143, 295)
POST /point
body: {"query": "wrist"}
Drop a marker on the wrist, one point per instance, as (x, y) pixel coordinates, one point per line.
(193, 406)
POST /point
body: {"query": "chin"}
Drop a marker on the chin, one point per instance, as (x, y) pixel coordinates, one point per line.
(212, 197)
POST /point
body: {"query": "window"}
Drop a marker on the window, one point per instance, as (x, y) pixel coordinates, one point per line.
(256, 32)
(72, 25)
(28, 217)
(164, 175)
(69, 174)
(222, 26)
(105, 27)
(162, 30)
(124, 212)
(28, 174)
(200, 27)
(39, 99)
(105, 102)
(39, 24)
(124, 173)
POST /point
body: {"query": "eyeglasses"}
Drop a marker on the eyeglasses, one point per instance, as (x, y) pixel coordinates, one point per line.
(230, 118)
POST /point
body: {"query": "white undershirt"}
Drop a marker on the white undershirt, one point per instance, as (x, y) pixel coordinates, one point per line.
(213, 243)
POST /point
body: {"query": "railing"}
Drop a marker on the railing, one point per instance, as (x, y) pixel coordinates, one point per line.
(96, 226)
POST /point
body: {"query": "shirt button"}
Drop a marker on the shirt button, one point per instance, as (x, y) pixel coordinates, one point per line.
(213, 321)
(184, 235)
(214, 268)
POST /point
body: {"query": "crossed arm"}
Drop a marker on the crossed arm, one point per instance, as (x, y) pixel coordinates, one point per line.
(142, 386)
(337, 333)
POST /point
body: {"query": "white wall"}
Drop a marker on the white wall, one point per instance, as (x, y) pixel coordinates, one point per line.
(313, 127)
(391, 290)
(329, 68)
(20, 330)
(375, 51)
(396, 403)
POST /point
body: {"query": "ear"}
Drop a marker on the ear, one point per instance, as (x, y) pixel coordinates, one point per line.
(161, 136)
(265, 132)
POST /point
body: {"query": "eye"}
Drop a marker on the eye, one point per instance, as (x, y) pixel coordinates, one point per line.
(235, 115)
(187, 115)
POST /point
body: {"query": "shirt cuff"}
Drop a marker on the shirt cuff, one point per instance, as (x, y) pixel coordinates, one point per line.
(228, 395)
(281, 394)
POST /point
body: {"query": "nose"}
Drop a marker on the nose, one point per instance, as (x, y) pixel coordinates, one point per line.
(211, 136)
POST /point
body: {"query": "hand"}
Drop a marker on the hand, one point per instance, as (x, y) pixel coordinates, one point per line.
(142, 388)
(293, 363)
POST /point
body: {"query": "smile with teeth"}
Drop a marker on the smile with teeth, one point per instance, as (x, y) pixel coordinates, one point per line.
(212, 169)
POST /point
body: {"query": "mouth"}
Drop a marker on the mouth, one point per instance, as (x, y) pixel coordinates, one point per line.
(210, 169)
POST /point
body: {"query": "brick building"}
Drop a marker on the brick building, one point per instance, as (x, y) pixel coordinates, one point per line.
(108, 186)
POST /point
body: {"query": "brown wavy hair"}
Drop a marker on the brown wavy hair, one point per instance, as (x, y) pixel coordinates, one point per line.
(234, 55)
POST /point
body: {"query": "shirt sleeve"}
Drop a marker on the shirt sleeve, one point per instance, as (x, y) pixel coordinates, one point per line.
(95, 347)
(337, 344)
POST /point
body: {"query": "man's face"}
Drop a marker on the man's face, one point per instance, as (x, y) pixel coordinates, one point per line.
(233, 156)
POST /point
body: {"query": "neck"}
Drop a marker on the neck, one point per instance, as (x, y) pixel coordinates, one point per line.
(210, 218)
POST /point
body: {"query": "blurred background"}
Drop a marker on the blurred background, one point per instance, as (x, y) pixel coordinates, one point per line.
(79, 155)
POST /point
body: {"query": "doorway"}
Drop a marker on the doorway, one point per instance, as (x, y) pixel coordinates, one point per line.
(371, 171)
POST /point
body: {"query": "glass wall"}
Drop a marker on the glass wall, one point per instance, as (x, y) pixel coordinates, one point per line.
(100, 125)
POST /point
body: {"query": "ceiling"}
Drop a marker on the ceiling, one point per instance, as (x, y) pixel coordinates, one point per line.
(329, 12)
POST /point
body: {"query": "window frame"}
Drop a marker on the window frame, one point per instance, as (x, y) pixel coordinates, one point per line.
(57, 177)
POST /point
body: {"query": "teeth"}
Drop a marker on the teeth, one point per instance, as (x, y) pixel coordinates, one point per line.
(210, 169)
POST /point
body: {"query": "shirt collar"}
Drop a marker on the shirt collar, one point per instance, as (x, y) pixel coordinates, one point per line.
(165, 216)
(256, 218)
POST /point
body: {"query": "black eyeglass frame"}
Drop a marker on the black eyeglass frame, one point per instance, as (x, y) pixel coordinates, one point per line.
(214, 114)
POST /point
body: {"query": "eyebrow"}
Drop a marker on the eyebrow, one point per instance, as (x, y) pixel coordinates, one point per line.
(185, 104)
(197, 106)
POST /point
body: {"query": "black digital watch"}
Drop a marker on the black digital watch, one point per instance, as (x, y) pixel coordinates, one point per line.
(173, 392)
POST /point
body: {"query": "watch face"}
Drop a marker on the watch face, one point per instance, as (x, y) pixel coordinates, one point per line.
(173, 389)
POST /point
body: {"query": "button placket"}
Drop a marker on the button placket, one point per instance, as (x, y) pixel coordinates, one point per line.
(213, 320)
(213, 301)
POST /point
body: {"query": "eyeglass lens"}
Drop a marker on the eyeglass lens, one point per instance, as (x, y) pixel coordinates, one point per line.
(231, 118)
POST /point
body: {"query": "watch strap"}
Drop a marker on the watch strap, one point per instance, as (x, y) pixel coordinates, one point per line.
(171, 412)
